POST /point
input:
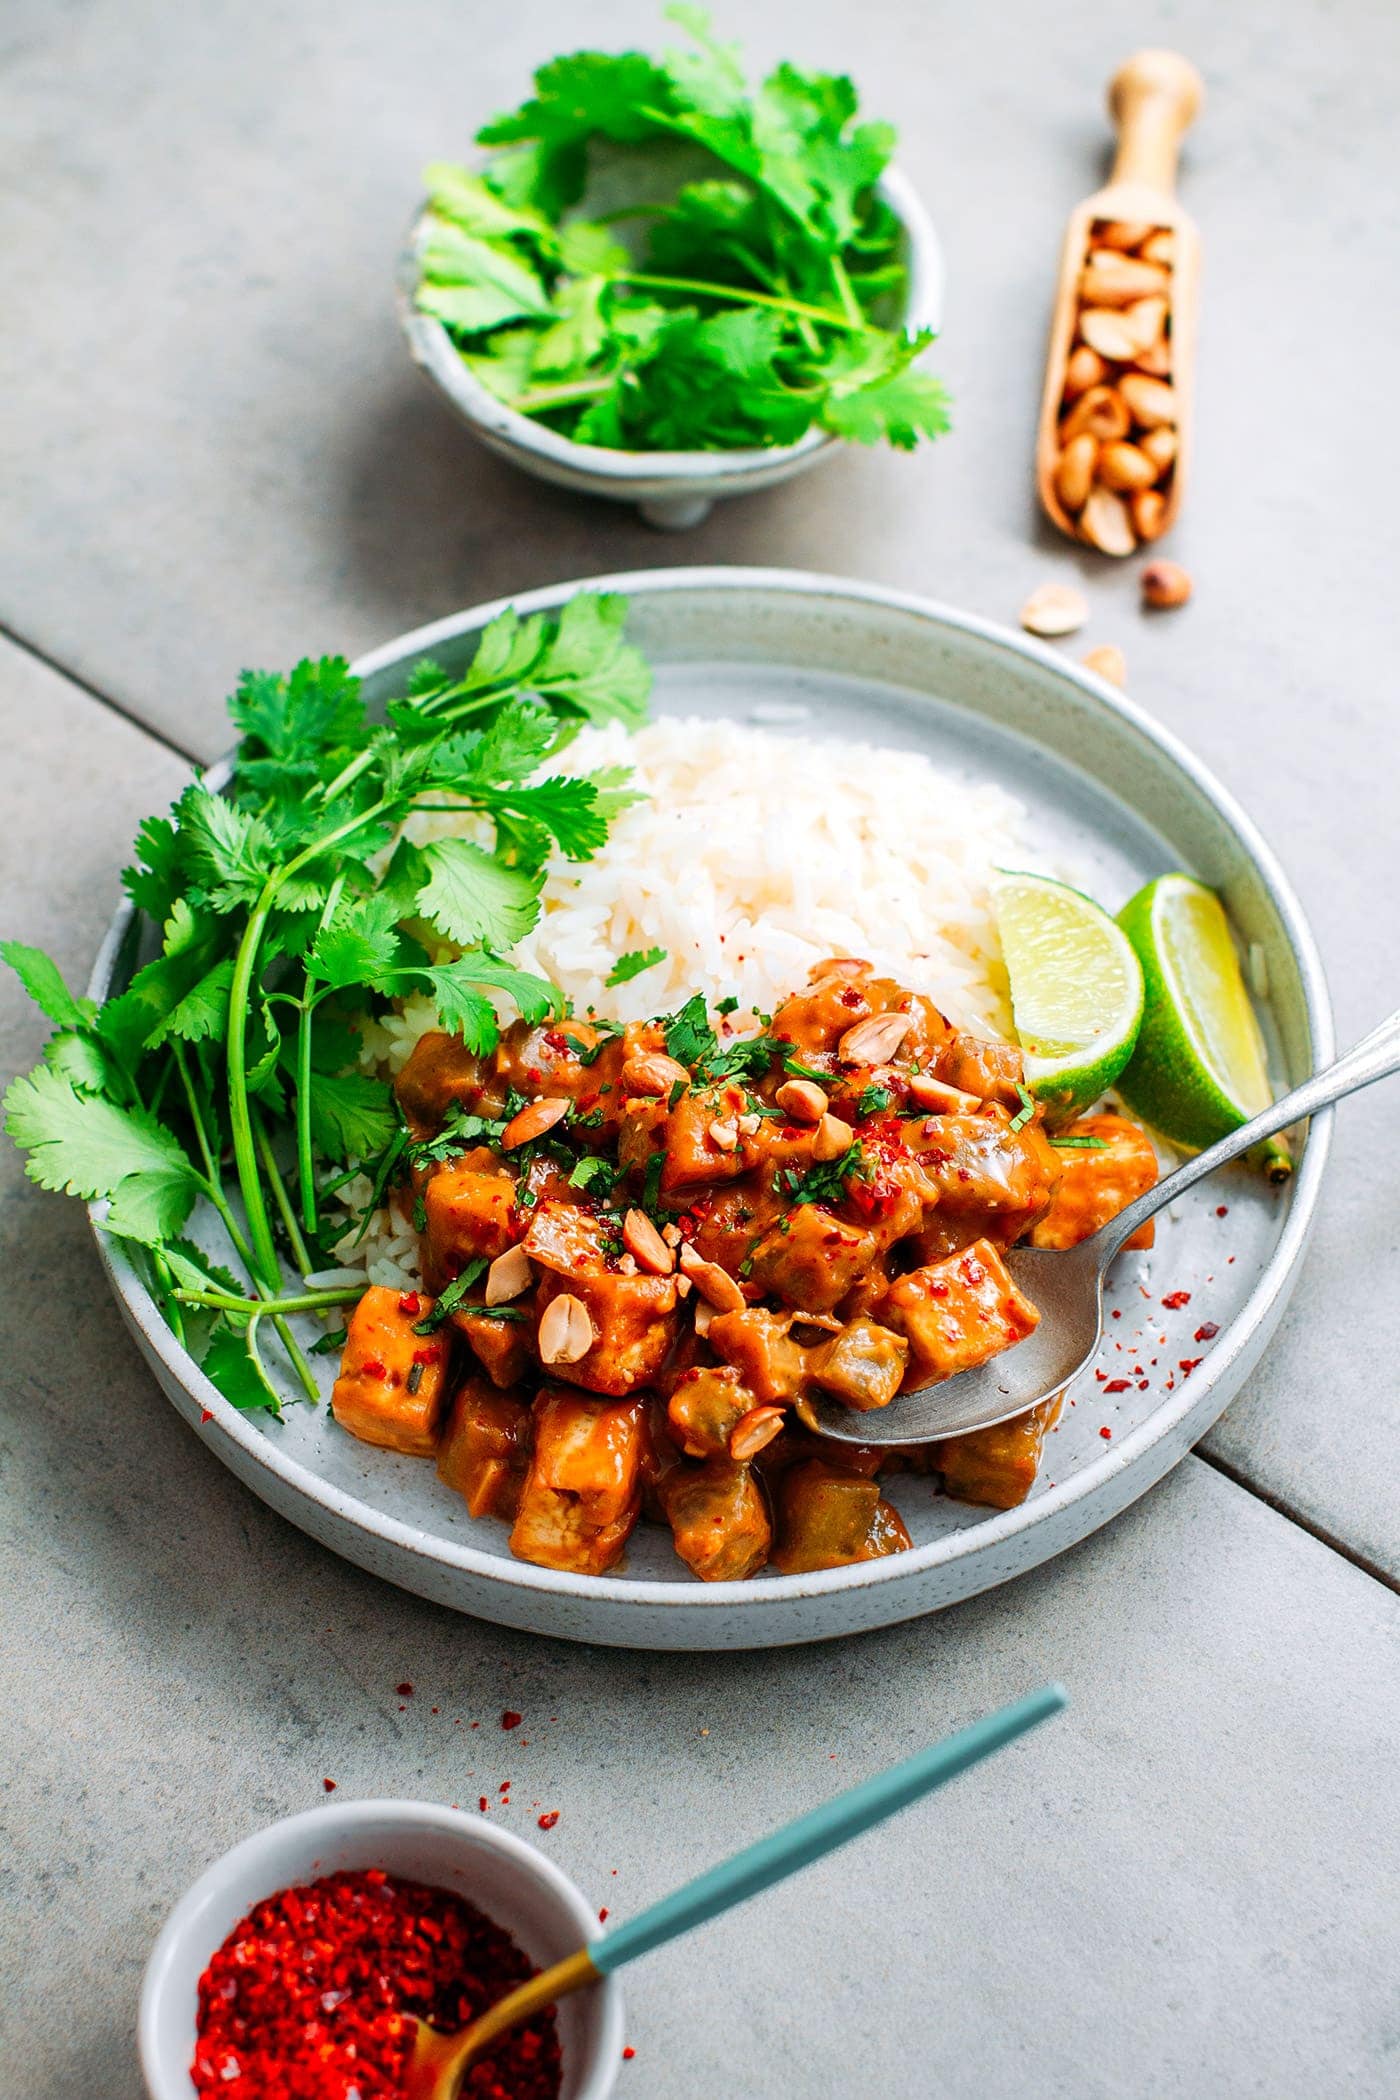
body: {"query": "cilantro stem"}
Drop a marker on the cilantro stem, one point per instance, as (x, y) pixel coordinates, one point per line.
(280, 1196)
(260, 1369)
(306, 1162)
(846, 291)
(744, 297)
(299, 1301)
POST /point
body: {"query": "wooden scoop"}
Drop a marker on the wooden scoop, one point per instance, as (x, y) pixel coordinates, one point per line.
(1098, 493)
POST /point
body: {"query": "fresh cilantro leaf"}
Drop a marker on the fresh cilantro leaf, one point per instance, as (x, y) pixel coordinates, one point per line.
(228, 1365)
(826, 1183)
(329, 1344)
(43, 980)
(795, 1069)
(459, 1132)
(151, 1207)
(470, 202)
(84, 1145)
(201, 1012)
(472, 285)
(352, 1115)
(472, 897)
(462, 1009)
(689, 1036)
(155, 882)
(878, 395)
(874, 1101)
(360, 946)
(633, 963)
(228, 850)
(85, 1063)
(651, 1183)
(598, 1176)
(449, 1299)
(749, 1058)
(1025, 1111)
(316, 706)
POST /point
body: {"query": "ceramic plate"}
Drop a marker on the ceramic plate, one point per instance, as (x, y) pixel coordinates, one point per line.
(1111, 794)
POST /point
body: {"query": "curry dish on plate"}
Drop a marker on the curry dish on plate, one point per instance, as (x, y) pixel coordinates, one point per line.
(646, 1247)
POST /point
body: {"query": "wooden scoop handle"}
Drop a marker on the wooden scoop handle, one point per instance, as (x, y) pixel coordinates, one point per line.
(1153, 99)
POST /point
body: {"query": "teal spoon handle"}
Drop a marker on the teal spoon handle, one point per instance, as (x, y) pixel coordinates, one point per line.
(782, 1853)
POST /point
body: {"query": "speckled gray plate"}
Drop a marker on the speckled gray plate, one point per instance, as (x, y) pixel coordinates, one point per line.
(1112, 792)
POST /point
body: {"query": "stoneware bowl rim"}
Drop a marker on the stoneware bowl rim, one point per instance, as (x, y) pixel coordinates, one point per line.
(1146, 1451)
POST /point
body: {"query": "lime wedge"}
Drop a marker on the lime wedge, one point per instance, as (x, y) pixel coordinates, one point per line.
(1076, 990)
(1199, 1069)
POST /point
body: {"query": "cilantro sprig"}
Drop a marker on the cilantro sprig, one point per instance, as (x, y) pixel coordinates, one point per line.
(755, 302)
(283, 915)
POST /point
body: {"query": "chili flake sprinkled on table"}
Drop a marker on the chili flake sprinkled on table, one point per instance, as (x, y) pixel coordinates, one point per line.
(1174, 1300)
(312, 1996)
(511, 1720)
(1207, 1331)
(548, 1820)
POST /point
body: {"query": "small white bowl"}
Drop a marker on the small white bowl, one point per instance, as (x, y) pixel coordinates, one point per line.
(512, 1882)
(673, 490)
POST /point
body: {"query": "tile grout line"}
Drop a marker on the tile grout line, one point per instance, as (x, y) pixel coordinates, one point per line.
(1293, 1516)
(84, 685)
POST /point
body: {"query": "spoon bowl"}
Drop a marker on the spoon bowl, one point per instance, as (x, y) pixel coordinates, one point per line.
(1066, 1285)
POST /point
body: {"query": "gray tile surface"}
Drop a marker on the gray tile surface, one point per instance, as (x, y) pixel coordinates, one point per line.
(214, 452)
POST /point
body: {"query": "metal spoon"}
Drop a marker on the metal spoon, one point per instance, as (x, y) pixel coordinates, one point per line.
(1067, 1286)
(436, 2067)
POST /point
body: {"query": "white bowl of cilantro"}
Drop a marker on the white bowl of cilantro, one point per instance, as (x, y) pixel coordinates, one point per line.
(664, 286)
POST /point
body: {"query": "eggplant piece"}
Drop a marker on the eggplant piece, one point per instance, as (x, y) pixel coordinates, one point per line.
(706, 1406)
(718, 1518)
(998, 1465)
(863, 1365)
(828, 1517)
(759, 1345)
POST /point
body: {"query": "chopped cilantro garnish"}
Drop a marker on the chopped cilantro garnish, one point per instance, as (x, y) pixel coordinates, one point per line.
(596, 1174)
(1078, 1144)
(329, 1343)
(795, 1069)
(874, 1101)
(826, 1183)
(675, 1094)
(1026, 1110)
(633, 963)
(452, 1297)
(689, 1036)
(727, 1006)
(651, 1184)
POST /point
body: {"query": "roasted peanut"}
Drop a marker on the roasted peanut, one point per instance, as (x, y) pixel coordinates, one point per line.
(645, 1244)
(1148, 510)
(508, 1275)
(753, 1430)
(1106, 523)
(1165, 584)
(1083, 368)
(1160, 447)
(1117, 280)
(1109, 661)
(533, 1121)
(653, 1073)
(1074, 471)
(833, 1137)
(1151, 402)
(1101, 414)
(1156, 362)
(1123, 467)
(1121, 233)
(927, 1092)
(1112, 333)
(803, 1100)
(715, 1285)
(724, 1134)
(1056, 608)
(872, 1041)
(566, 1331)
(1160, 249)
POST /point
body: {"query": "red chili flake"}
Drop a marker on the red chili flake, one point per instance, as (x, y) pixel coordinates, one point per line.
(1105, 1431)
(504, 1787)
(404, 1690)
(628, 2053)
(307, 1996)
(548, 1820)
(1207, 1331)
(430, 1355)
(329, 1785)
(1174, 1300)
(1222, 1210)
(411, 1304)
(603, 1915)
(372, 1367)
(1117, 1313)
(510, 1720)
(482, 1803)
(206, 1414)
(1188, 1365)
(1118, 1385)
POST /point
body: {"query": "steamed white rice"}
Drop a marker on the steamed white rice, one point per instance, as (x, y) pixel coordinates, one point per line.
(752, 857)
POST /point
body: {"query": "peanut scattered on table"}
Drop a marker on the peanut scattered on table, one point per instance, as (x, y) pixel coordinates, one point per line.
(1118, 409)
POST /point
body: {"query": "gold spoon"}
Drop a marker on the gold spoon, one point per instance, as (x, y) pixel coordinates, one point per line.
(438, 2062)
